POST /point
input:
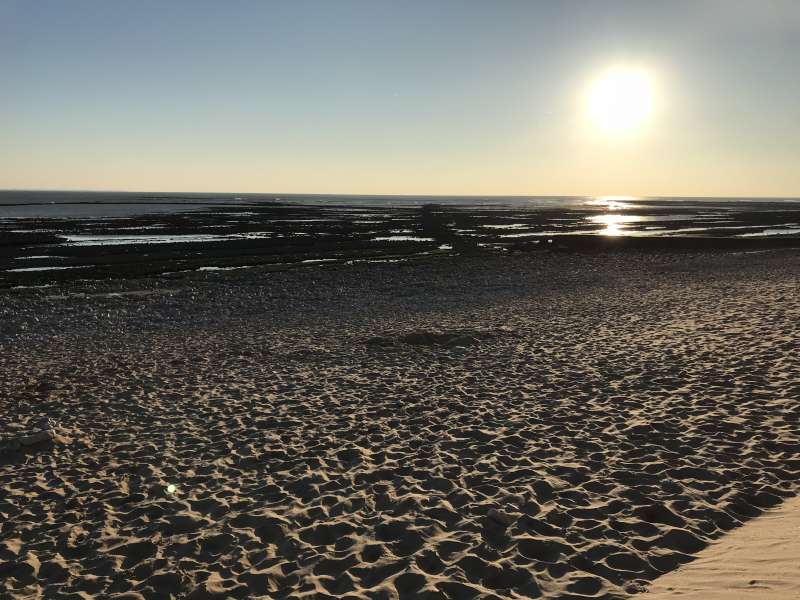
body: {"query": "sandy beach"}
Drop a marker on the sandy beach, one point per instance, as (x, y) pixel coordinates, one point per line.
(760, 561)
(548, 425)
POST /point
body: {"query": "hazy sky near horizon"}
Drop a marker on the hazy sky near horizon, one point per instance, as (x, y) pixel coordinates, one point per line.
(402, 97)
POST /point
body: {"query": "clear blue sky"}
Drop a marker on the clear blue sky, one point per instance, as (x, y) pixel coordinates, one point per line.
(453, 97)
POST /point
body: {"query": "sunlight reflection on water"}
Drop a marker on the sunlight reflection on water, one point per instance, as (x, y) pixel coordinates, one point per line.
(614, 224)
(613, 202)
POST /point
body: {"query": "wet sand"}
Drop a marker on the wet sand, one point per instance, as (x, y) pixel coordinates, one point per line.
(536, 425)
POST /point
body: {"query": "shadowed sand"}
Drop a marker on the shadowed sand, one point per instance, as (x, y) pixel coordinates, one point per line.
(760, 561)
(557, 426)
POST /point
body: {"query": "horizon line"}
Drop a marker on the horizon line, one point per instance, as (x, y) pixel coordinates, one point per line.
(375, 195)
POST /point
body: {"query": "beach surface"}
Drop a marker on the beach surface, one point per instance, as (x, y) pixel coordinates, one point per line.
(759, 561)
(532, 425)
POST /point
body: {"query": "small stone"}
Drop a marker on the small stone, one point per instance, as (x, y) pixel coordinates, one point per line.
(503, 518)
(636, 587)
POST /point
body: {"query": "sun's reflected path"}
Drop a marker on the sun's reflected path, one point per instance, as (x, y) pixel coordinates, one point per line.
(614, 202)
(615, 223)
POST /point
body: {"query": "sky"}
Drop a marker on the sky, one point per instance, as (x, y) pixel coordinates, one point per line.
(388, 97)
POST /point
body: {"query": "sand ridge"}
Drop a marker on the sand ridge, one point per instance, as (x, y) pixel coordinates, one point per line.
(574, 433)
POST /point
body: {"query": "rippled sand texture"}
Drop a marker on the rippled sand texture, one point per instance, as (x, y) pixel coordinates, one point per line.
(496, 429)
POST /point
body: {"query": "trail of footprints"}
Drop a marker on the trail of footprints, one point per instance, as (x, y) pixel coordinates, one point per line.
(584, 446)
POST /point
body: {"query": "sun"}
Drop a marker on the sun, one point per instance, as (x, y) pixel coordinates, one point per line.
(620, 100)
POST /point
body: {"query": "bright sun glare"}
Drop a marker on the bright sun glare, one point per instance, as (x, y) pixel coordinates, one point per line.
(620, 100)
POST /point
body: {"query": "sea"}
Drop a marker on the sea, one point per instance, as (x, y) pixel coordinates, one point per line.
(53, 235)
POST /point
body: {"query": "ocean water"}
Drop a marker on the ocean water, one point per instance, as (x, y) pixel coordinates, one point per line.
(68, 203)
